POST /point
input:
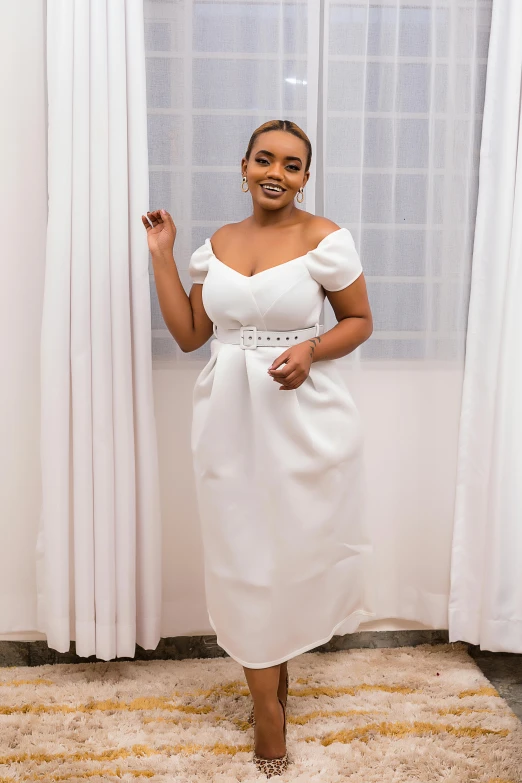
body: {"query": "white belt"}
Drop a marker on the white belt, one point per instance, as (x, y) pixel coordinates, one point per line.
(252, 337)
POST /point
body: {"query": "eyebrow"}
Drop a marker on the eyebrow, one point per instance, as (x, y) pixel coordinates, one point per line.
(288, 157)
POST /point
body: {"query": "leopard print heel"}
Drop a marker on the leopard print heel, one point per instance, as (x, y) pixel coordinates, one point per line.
(273, 767)
(251, 718)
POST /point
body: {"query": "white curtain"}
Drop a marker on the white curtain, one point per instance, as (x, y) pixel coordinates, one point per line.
(99, 544)
(486, 579)
(391, 96)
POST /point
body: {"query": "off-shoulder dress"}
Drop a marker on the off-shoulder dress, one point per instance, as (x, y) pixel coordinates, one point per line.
(279, 475)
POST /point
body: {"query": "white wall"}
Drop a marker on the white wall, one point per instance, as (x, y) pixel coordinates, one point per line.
(411, 415)
(23, 201)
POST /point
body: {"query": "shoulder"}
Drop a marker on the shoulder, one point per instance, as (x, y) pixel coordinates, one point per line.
(202, 255)
(334, 263)
(223, 236)
(317, 228)
(222, 231)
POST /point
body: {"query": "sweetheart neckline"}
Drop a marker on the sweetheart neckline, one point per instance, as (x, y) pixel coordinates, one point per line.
(271, 268)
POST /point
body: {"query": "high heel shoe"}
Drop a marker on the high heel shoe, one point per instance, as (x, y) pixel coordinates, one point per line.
(273, 766)
(251, 718)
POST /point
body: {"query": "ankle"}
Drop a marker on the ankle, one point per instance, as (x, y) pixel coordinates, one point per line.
(267, 708)
(265, 700)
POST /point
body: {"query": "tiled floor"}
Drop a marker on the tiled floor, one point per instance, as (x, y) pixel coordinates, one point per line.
(504, 671)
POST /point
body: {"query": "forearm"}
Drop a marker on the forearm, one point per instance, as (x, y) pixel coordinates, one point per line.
(173, 301)
(342, 339)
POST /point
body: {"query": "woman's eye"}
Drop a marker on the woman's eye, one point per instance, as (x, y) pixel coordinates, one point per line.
(264, 160)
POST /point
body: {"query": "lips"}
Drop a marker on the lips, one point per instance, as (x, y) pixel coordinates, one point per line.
(271, 192)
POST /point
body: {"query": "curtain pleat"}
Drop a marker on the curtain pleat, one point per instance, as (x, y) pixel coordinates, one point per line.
(100, 536)
(485, 606)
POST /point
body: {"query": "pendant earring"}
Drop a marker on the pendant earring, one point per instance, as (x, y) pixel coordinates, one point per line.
(300, 191)
(242, 183)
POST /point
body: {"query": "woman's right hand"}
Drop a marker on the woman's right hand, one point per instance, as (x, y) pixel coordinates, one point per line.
(162, 233)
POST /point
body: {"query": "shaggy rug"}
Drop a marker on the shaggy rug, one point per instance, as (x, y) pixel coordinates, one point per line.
(422, 714)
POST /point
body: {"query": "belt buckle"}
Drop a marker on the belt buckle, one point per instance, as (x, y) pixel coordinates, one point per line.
(242, 337)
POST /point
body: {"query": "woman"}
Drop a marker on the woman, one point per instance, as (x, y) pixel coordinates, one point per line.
(278, 477)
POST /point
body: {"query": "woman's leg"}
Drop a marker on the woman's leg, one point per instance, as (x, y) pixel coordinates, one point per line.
(281, 689)
(264, 684)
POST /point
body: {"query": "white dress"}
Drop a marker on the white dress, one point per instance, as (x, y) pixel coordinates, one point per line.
(279, 474)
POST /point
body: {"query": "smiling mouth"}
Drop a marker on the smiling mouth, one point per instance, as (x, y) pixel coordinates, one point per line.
(272, 189)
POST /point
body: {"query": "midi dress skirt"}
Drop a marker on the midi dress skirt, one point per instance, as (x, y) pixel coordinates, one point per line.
(279, 474)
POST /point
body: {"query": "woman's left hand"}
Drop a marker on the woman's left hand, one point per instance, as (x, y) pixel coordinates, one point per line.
(297, 361)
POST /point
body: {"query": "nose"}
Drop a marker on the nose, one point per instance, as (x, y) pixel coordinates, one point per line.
(274, 174)
(274, 170)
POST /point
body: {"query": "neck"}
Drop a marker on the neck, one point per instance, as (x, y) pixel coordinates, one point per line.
(274, 217)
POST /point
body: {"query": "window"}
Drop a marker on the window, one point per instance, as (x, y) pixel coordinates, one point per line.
(395, 134)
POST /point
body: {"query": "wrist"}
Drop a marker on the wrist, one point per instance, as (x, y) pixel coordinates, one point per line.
(315, 350)
(163, 259)
(163, 253)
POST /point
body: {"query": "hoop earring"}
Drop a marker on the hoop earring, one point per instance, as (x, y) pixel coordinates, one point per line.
(300, 191)
(242, 183)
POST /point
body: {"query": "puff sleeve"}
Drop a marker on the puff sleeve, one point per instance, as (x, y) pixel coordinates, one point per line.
(198, 264)
(335, 263)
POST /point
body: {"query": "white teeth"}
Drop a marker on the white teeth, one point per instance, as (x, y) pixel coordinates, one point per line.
(270, 187)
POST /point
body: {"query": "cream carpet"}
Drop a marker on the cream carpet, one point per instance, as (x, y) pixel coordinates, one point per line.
(422, 714)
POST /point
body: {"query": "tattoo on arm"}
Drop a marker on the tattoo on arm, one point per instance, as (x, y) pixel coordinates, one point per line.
(312, 347)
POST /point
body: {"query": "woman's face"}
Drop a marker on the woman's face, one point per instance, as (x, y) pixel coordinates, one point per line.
(277, 158)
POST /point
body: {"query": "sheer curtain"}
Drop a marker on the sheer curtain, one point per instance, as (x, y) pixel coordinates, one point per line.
(391, 95)
(215, 71)
(402, 103)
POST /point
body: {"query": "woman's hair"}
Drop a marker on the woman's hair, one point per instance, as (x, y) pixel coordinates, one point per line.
(284, 125)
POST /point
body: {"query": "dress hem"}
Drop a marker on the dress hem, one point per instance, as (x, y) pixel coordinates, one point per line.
(296, 652)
